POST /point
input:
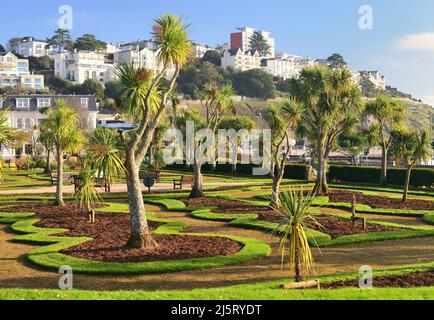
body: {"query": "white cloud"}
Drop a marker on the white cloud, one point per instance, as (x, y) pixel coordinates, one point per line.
(418, 41)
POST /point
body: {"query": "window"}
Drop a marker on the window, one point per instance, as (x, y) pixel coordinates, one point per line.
(5, 82)
(28, 124)
(9, 59)
(86, 75)
(84, 102)
(27, 80)
(20, 123)
(37, 80)
(23, 103)
(94, 74)
(44, 102)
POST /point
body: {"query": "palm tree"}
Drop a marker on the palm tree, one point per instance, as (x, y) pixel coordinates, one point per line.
(86, 195)
(8, 135)
(146, 101)
(243, 126)
(218, 104)
(332, 106)
(258, 43)
(293, 208)
(412, 147)
(108, 154)
(388, 114)
(62, 125)
(281, 118)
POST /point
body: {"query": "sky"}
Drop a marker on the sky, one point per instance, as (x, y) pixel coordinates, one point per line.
(400, 43)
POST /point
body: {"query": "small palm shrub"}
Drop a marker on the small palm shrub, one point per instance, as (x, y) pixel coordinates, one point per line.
(86, 195)
(293, 208)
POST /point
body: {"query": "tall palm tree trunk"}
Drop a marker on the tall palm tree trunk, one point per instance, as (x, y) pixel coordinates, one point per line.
(140, 236)
(197, 191)
(277, 180)
(321, 185)
(407, 184)
(383, 178)
(48, 164)
(59, 194)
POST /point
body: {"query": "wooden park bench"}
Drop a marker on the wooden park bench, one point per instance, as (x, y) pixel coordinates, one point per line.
(99, 183)
(54, 178)
(178, 184)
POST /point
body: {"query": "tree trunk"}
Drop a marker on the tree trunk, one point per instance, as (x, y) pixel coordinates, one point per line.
(407, 184)
(197, 191)
(383, 178)
(141, 236)
(48, 165)
(321, 185)
(59, 194)
(298, 267)
(277, 179)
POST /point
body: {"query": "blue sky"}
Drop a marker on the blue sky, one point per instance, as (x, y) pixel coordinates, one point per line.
(401, 44)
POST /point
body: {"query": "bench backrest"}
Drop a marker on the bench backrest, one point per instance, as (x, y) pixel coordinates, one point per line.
(186, 180)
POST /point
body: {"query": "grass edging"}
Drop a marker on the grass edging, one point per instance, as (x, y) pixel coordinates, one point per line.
(49, 257)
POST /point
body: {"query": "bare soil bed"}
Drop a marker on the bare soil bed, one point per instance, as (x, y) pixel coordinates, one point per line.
(334, 226)
(411, 280)
(111, 233)
(379, 202)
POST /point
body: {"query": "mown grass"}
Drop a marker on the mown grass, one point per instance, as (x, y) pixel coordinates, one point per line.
(269, 290)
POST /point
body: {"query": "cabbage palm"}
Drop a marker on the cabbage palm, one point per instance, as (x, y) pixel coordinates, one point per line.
(62, 125)
(281, 118)
(107, 153)
(332, 106)
(146, 100)
(86, 194)
(8, 134)
(293, 208)
(412, 147)
(388, 114)
(218, 104)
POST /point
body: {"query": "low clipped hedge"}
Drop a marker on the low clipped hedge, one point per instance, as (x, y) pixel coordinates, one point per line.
(292, 171)
(49, 256)
(419, 177)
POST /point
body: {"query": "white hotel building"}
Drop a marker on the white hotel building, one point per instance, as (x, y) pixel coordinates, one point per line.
(79, 66)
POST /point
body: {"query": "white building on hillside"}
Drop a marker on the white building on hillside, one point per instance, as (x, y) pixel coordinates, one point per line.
(241, 40)
(282, 66)
(79, 66)
(240, 60)
(30, 47)
(200, 50)
(375, 77)
(140, 54)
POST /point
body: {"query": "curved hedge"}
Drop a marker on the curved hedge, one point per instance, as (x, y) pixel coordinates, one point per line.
(419, 177)
(49, 257)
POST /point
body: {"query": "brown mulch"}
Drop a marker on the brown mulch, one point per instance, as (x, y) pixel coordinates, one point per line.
(380, 202)
(411, 280)
(111, 233)
(332, 225)
(337, 227)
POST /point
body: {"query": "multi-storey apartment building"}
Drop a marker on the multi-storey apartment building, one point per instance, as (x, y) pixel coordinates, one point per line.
(24, 112)
(15, 72)
(241, 60)
(241, 40)
(79, 66)
(31, 47)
